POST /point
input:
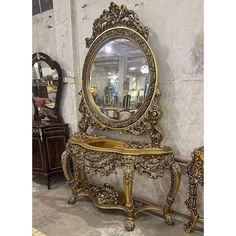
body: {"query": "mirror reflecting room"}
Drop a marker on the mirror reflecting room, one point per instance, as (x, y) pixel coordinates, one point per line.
(119, 79)
(45, 82)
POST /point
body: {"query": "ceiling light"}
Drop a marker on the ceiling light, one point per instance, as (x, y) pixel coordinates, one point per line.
(132, 68)
(108, 49)
(144, 69)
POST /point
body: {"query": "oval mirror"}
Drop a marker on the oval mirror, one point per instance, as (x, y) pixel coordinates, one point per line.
(119, 79)
(45, 84)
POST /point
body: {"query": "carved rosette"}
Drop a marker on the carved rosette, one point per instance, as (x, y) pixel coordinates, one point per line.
(116, 16)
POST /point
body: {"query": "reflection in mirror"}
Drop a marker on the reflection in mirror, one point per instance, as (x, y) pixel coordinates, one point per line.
(45, 82)
(119, 79)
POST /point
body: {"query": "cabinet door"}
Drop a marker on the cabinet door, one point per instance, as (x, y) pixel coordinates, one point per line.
(37, 155)
(55, 140)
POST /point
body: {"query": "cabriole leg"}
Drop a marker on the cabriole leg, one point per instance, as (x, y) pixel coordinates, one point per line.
(175, 182)
(66, 161)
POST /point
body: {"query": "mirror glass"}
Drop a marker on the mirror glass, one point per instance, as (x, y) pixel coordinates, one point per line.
(45, 82)
(119, 79)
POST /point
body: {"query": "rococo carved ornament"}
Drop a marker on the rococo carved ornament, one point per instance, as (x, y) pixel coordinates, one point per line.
(97, 155)
(113, 24)
(195, 172)
(116, 16)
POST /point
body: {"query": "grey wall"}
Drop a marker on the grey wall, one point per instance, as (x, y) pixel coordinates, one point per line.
(176, 36)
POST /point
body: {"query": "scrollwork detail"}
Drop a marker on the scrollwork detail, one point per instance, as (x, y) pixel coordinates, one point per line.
(117, 16)
(105, 194)
(153, 165)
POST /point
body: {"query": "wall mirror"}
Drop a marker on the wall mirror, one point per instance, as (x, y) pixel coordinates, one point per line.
(120, 76)
(119, 79)
(46, 86)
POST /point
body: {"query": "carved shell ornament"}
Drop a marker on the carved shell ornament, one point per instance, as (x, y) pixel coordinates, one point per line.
(121, 23)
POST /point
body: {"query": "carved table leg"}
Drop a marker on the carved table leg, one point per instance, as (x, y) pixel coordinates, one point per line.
(175, 182)
(128, 176)
(66, 161)
(195, 172)
(191, 203)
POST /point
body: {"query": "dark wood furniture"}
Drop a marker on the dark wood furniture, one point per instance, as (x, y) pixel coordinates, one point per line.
(50, 133)
(49, 142)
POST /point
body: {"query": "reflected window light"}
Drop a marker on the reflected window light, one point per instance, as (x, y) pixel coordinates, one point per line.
(133, 79)
(108, 49)
(144, 69)
(132, 68)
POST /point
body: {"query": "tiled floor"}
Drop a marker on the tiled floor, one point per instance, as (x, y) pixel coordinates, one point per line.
(54, 217)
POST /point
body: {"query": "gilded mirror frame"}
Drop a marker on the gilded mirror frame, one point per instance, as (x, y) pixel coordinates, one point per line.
(119, 22)
(52, 113)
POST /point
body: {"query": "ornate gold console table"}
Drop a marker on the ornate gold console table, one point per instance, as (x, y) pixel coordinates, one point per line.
(100, 156)
(195, 172)
(119, 65)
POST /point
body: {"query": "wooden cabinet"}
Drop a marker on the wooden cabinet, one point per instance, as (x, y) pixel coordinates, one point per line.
(50, 133)
(48, 142)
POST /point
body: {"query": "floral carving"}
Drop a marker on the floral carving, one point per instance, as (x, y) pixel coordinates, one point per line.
(153, 165)
(195, 172)
(117, 16)
(105, 195)
(95, 162)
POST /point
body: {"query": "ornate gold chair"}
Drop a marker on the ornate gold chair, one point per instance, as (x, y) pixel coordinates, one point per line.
(195, 172)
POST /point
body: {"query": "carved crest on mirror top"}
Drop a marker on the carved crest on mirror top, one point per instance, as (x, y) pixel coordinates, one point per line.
(119, 22)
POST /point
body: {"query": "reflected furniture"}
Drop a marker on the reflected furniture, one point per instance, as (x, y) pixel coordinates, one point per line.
(119, 58)
(195, 172)
(49, 132)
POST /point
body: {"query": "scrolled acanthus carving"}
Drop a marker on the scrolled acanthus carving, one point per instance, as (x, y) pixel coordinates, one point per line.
(116, 16)
(95, 162)
(153, 165)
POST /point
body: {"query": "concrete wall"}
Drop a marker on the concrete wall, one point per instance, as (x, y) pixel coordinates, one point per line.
(176, 36)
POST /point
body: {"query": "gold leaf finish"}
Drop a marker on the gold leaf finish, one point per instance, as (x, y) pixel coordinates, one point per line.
(195, 172)
(97, 155)
(117, 16)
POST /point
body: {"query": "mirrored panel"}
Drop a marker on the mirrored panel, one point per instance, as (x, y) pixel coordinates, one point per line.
(119, 79)
(45, 83)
